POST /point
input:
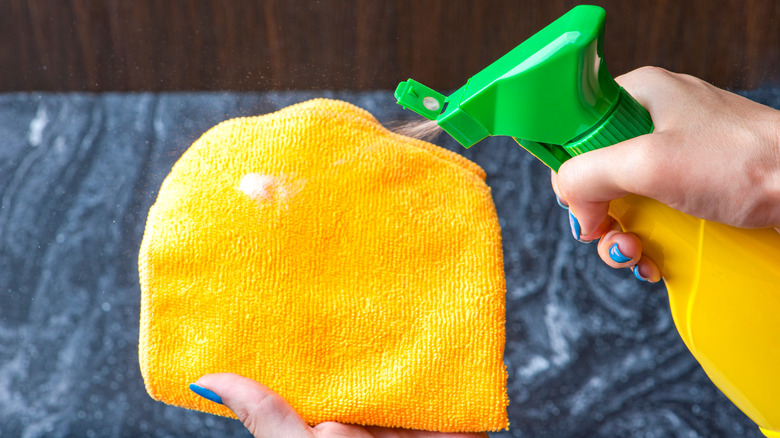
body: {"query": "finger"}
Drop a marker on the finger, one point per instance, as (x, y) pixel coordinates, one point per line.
(620, 250)
(554, 183)
(339, 430)
(589, 181)
(263, 412)
(604, 227)
(647, 270)
(383, 432)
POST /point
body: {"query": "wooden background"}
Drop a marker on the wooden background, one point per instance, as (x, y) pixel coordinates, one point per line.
(128, 45)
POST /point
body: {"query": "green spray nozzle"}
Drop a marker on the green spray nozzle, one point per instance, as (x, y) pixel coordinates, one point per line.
(552, 93)
(420, 99)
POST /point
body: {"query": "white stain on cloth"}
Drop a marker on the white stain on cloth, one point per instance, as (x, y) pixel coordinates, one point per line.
(256, 186)
(267, 187)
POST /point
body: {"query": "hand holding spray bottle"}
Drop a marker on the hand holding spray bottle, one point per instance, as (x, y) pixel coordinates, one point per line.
(554, 95)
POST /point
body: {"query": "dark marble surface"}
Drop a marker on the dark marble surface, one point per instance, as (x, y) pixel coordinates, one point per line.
(591, 352)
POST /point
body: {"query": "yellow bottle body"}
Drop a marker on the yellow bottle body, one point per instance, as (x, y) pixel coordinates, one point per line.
(724, 293)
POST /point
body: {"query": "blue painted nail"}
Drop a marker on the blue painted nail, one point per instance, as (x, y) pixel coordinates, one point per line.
(616, 255)
(563, 206)
(205, 393)
(575, 226)
(635, 270)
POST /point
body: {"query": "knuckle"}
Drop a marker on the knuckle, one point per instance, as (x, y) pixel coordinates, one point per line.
(252, 413)
(650, 72)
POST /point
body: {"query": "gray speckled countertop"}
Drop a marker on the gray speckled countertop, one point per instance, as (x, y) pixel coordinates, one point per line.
(591, 352)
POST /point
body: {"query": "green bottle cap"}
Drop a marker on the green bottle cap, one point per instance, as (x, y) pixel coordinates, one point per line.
(628, 119)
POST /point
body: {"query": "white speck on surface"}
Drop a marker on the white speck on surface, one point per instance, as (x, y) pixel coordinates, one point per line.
(256, 186)
(59, 145)
(159, 128)
(588, 395)
(562, 328)
(37, 124)
(536, 365)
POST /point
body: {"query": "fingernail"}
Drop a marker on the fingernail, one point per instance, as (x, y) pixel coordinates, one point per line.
(205, 393)
(575, 226)
(575, 229)
(563, 206)
(616, 255)
(635, 270)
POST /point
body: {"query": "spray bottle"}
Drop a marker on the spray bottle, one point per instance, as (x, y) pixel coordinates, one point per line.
(554, 96)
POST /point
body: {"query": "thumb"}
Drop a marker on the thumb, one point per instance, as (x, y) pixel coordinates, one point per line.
(263, 412)
(589, 181)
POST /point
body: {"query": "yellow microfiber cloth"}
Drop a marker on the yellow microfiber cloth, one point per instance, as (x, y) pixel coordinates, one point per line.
(356, 272)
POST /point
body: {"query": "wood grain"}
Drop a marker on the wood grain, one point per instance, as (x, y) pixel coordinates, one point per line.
(120, 45)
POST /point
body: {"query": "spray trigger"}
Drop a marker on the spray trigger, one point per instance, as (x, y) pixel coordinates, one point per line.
(420, 99)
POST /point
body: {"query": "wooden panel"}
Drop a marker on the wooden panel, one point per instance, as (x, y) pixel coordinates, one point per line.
(100, 45)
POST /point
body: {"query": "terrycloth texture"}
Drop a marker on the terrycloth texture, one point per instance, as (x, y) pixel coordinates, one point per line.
(356, 272)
